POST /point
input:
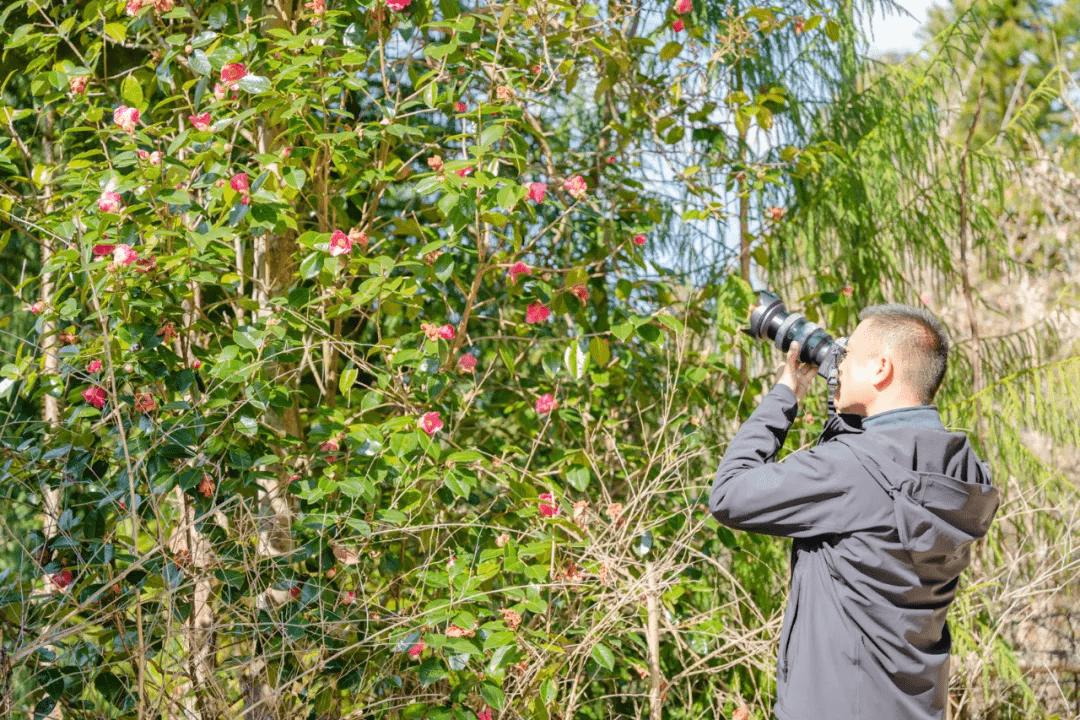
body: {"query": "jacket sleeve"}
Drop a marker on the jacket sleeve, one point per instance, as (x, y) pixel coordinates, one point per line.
(812, 492)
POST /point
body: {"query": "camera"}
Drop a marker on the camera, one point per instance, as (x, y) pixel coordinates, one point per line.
(771, 320)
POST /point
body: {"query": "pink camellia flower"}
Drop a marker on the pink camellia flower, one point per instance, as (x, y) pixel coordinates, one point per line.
(467, 362)
(134, 6)
(144, 154)
(536, 69)
(484, 714)
(446, 332)
(144, 402)
(124, 255)
(580, 292)
(430, 423)
(518, 268)
(95, 396)
(677, 26)
(502, 539)
(416, 649)
(239, 183)
(109, 202)
(683, 6)
(201, 122)
(537, 191)
(63, 578)
(163, 6)
(233, 73)
(329, 446)
(536, 313)
(545, 404)
(197, 364)
(77, 84)
(848, 291)
(286, 152)
(340, 243)
(155, 158)
(397, 5)
(464, 171)
(546, 509)
(94, 366)
(220, 91)
(37, 307)
(126, 118)
(610, 159)
(459, 107)
(576, 187)
(431, 331)
(348, 598)
(317, 7)
(639, 239)
(776, 214)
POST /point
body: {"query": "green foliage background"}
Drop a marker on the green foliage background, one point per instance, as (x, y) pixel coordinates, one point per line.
(276, 534)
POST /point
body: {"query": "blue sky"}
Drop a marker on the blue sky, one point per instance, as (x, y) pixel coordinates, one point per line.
(897, 32)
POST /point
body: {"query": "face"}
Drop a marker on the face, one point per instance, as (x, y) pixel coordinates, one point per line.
(858, 371)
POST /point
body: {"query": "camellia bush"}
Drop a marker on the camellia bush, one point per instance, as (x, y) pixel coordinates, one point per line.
(357, 382)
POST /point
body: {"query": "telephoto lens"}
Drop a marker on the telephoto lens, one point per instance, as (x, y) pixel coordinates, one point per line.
(771, 320)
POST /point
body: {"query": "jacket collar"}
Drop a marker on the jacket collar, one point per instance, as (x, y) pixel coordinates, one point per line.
(923, 416)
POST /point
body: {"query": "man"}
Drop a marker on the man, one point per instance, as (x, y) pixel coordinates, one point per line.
(882, 510)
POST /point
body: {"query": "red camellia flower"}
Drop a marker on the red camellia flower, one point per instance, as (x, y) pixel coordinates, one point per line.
(546, 509)
(109, 202)
(163, 6)
(446, 332)
(518, 268)
(77, 84)
(126, 118)
(206, 487)
(397, 5)
(683, 6)
(467, 362)
(37, 307)
(232, 74)
(800, 25)
(329, 446)
(430, 423)
(464, 171)
(220, 91)
(294, 591)
(639, 239)
(484, 714)
(545, 404)
(62, 579)
(340, 243)
(201, 122)
(537, 191)
(95, 396)
(775, 213)
(239, 183)
(580, 292)
(94, 366)
(536, 313)
(144, 402)
(416, 649)
(576, 187)
(677, 26)
(459, 107)
(124, 255)
(102, 250)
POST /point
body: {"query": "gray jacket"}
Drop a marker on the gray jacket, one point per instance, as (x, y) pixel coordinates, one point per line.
(883, 511)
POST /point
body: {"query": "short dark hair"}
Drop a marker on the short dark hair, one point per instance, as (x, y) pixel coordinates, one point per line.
(923, 340)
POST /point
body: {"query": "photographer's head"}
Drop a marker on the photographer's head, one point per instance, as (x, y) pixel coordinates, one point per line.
(895, 358)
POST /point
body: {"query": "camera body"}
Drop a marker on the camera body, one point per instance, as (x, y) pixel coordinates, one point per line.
(771, 320)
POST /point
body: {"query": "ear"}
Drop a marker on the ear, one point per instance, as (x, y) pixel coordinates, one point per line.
(884, 371)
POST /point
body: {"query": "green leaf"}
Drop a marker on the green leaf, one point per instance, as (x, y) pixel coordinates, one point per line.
(444, 265)
(578, 476)
(431, 671)
(294, 177)
(507, 356)
(431, 93)
(254, 84)
(437, 52)
(603, 656)
(670, 50)
(832, 29)
(456, 484)
(600, 351)
(117, 32)
(495, 218)
(491, 133)
(623, 330)
(311, 265)
(548, 691)
(199, 63)
(346, 381)
(492, 695)
(131, 91)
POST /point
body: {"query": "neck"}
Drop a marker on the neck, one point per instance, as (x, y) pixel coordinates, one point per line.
(884, 403)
